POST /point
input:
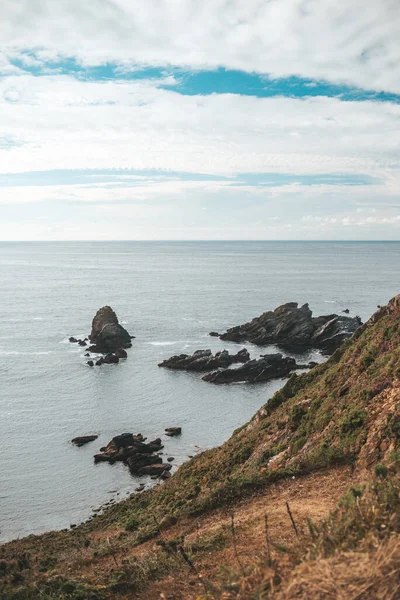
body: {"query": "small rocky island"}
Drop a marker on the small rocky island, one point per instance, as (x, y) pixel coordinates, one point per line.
(205, 360)
(107, 333)
(292, 327)
(107, 337)
(141, 458)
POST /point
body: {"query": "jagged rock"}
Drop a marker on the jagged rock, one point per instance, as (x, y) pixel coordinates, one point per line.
(204, 360)
(214, 334)
(90, 363)
(84, 439)
(156, 469)
(132, 450)
(173, 431)
(270, 366)
(101, 457)
(121, 353)
(346, 310)
(293, 327)
(136, 463)
(110, 359)
(73, 340)
(82, 343)
(165, 475)
(125, 439)
(107, 334)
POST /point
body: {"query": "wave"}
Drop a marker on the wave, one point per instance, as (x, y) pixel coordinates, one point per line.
(186, 342)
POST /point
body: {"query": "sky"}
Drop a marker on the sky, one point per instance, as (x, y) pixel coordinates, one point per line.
(188, 120)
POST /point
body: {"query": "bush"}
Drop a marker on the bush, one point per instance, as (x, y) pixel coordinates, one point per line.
(381, 471)
(132, 523)
(353, 419)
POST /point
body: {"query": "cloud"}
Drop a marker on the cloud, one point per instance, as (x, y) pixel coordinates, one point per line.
(354, 43)
(342, 156)
(60, 122)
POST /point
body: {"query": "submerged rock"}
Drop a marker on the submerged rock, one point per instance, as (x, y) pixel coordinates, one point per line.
(205, 360)
(107, 334)
(292, 327)
(173, 431)
(84, 439)
(270, 366)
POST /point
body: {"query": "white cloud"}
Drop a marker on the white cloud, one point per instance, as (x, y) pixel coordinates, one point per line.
(62, 123)
(354, 42)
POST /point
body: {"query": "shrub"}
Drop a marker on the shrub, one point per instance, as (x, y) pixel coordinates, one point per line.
(353, 419)
(132, 523)
(381, 471)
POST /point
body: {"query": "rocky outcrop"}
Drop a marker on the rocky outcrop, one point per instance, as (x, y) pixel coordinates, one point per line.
(83, 439)
(107, 334)
(108, 359)
(269, 366)
(132, 450)
(292, 327)
(173, 431)
(205, 360)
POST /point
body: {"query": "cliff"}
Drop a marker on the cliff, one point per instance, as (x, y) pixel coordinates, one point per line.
(253, 518)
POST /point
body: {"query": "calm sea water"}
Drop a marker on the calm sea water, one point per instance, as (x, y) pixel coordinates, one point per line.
(169, 295)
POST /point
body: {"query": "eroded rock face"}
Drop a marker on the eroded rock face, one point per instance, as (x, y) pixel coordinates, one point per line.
(292, 327)
(270, 366)
(107, 334)
(205, 360)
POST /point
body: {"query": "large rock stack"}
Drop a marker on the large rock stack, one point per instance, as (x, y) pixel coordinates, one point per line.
(107, 334)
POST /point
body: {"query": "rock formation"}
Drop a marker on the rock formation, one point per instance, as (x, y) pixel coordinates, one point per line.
(292, 327)
(107, 334)
(270, 366)
(204, 360)
(173, 431)
(133, 451)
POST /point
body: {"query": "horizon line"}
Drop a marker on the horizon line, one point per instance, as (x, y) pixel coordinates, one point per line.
(196, 241)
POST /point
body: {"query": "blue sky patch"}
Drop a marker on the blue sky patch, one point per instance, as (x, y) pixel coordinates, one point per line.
(130, 178)
(206, 82)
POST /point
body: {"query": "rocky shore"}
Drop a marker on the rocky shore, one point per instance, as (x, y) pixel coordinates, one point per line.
(292, 327)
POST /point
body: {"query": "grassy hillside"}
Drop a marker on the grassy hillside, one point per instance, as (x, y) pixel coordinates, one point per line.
(340, 420)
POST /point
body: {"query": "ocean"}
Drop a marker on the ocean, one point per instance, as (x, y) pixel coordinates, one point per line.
(169, 295)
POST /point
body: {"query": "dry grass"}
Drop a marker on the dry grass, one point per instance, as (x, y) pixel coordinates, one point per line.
(373, 575)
